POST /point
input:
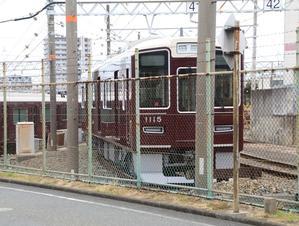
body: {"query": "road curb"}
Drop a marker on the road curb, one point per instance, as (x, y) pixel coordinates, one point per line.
(202, 212)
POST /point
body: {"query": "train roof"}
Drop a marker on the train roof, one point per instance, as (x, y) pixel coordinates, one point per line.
(123, 60)
(29, 97)
(169, 42)
(152, 43)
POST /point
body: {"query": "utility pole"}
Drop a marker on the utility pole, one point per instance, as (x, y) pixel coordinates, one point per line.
(108, 31)
(72, 88)
(43, 117)
(236, 118)
(137, 122)
(254, 35)
(206, 30)
(89, 116)
(4, 115)
(52, 70)
(297, 118)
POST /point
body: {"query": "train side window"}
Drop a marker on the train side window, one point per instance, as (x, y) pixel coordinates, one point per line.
(47, 111)
(223, 87)
(104, 95)
(63, 112)
(122, 89)
(20, 115)
(108, 98)
(154, 93)
(223, 90)
(83, 95)
(223, 83)
(186, 90)
(107, 89)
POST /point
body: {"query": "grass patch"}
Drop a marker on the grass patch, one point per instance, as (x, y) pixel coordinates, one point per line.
(287, 216)
(219, 205)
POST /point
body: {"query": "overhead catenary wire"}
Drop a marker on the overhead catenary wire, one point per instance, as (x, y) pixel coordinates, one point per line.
(248, 48)
(31, 15)
(20, 38)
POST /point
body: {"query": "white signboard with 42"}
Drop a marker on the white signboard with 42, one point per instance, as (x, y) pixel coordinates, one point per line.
(270, 5)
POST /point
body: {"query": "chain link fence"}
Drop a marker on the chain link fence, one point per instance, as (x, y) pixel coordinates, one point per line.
(271, 133)
(153, 140)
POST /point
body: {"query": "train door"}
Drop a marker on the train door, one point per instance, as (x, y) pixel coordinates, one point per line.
(186, 88)
(121, 118)
(97, 116)
(127, 90)
(116, 105)
(107, 108)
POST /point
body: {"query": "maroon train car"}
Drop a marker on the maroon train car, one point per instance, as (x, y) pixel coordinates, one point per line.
(167, 112)
(27, 107)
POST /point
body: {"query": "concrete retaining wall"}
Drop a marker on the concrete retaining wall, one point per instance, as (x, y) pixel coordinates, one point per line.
(273, 116)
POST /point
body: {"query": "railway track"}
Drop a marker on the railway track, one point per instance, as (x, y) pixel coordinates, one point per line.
(270, 165)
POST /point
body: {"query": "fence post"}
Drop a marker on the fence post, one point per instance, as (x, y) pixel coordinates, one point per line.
(4, 116)
(43, 118)
(137, 111)
(210, 110)
(89, 115)
(297, 117)
(236, 99)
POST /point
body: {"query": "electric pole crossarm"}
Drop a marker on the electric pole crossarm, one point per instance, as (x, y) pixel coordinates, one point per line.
(123, 8)
(138, 8)
(157, 7)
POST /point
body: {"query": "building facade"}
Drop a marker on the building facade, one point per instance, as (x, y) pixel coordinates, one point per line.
(84, 49)
(18, 82)
(291, 22)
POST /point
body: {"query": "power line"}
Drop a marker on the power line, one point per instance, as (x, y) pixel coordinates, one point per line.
(31, 15)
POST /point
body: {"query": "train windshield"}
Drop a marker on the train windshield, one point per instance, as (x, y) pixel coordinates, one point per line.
(154, 93)
(187, 87)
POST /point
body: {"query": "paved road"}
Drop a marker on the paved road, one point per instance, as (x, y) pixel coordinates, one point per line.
(31, 206)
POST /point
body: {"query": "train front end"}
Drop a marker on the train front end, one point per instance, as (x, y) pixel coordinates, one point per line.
(167, 113)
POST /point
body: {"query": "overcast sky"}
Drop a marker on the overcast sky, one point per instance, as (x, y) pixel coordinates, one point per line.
(18, 39)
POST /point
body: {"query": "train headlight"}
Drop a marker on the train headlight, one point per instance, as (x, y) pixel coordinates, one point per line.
(223, 128)
(153, 129)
